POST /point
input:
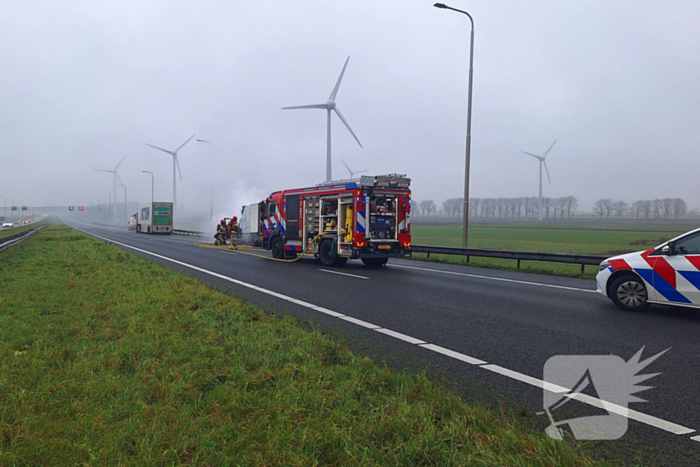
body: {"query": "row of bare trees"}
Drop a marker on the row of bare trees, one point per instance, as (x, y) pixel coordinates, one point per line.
(565, 206)
(666, 208)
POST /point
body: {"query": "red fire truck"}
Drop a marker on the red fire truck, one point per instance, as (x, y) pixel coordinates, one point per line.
(366, 219)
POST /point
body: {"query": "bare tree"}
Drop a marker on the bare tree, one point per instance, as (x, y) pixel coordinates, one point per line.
(599, 208)
(474, 206)
(447, 207)
(546, 206)
(656, 208)
(667, 207)
(637, 208)
(619, 208)
(680, 208)
(427, 207)
(571, 205)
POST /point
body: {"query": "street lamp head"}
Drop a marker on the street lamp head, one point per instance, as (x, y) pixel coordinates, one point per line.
(440, 5)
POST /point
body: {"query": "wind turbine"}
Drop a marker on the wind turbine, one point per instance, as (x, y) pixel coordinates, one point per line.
(542, 163)
(329, 106)
(115, 178)
(352, 174)
(176, 164)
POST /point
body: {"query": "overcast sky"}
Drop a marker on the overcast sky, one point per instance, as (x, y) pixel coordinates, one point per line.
(85, 82)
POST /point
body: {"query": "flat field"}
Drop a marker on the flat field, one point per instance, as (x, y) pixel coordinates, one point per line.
(586, 239)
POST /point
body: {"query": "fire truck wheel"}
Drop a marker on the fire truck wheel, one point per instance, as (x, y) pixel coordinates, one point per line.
(277, 248)
(328, 257)
(290, 254)
(375, 262)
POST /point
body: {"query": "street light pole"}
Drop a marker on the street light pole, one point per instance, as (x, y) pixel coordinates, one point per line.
(121, 184)
(99, 209)
(465, 226)
(109, 221)
(153, 182)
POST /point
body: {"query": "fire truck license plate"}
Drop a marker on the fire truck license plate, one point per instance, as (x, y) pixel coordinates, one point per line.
(384, 247)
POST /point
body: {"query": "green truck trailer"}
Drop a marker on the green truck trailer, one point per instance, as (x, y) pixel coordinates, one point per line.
(154, 218)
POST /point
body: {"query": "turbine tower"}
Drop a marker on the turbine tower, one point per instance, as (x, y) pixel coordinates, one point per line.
(176, 165)
(115, 177)
(352, 174)
(329, 106)
(542, 163)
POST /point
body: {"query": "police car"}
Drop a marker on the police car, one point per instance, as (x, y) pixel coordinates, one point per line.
(668, 274)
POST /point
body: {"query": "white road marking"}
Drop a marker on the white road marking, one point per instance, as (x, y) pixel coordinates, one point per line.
(453, 354)
(359, 322)
(629, 413)
(328, 312)
(633, 414)
(525, 378)
(398, 335)
(343, 274)
(230, 253)
(502, 279)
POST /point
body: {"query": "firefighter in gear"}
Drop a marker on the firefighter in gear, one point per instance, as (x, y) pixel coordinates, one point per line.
(233, 232)
(220, 237)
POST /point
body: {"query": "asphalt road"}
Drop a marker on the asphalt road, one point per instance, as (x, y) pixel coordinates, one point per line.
(499, 328)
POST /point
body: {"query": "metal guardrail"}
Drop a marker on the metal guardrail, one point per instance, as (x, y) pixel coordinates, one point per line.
(193, 233)
(583, 260)
(17, 238)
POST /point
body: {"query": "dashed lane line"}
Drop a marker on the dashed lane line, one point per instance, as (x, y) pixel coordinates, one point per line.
(344, 274)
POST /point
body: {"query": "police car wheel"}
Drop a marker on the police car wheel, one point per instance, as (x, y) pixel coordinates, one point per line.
(277, 248)
(629, 293)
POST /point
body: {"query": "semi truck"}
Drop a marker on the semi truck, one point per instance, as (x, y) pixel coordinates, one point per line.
(154, 218)
(366, 218)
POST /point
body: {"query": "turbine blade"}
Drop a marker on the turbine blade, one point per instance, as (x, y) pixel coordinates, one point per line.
(360, 171)
(550, 148)
(117, 175)
(204, 141)
(346, 166)
(101, 170)
(312, 106)
(547, 170)
(346, 125)
(533, 155)
(156, 147)
(120, 163)
(177, 163)
(340, 78)
(183, 144)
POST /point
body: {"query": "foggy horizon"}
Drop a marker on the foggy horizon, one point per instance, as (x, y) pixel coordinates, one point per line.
(86, 84)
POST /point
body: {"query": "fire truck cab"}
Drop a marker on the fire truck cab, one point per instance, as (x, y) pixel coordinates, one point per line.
(366, 219)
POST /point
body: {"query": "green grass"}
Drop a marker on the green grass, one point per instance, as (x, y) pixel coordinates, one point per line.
(109, 359)
(552, 239)
(7, 232)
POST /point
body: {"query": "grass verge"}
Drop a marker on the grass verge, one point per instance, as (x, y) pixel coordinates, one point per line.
(107, 358)
(7, 232)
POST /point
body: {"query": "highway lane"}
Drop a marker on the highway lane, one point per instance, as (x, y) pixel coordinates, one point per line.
(513, 320)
